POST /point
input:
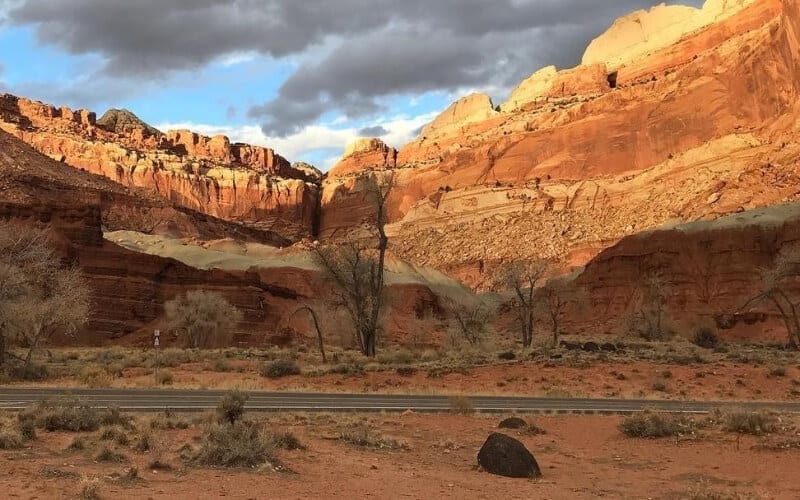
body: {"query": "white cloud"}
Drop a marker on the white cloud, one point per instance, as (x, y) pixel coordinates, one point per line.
(311, 139)
(236, 58)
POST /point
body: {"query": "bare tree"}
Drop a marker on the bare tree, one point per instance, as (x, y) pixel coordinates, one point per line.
(356, 268)
(205, 318)
(471, 319)
(315, 321)
(554, 302)
(38, 296)
(522, 279)
(775, 290)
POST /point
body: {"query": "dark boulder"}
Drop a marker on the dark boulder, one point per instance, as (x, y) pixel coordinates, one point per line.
(591, 347)
(505, 456)
(508, 356)
(608, 347)
(513, 423)
(570, 346)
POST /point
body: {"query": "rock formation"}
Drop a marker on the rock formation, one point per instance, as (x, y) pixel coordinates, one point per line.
(689, 126)
(239, 182)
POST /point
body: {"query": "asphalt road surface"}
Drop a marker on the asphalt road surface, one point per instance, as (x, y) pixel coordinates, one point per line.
(201, 400)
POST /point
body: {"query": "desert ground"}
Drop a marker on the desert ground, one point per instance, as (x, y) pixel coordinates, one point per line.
(414, 455)
(407, 456)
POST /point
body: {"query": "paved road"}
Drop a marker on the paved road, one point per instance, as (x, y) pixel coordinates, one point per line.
(200, 400)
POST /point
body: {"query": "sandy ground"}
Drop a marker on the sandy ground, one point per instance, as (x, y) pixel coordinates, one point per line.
(581, 457)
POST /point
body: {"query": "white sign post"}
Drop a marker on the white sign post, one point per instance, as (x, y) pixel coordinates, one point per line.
(156, 342)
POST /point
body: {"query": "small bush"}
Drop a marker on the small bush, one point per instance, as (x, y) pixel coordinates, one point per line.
(777, 371)
(89, 488)
(11, 440)
(348, 369)
(659, 385)
(166, 421)
(222, 365)
(360, 435)
(114, 434)
(396, 357)
(94, 377)
(78, 443)
(66, 415)
(144, 442)
(164, 378)
(242, 444)
(280, 368)
(461, 405)
(231, 408)
(406, 371)
(755, 423)
(654, 425)
(26, 426)
(706, 338)
(107, 454)
(287, 441)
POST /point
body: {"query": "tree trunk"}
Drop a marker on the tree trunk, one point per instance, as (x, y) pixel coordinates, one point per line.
(2, 349)
(369, 345)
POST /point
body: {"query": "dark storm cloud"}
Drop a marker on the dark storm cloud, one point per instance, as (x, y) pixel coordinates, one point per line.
(375, 131)
(351, 53)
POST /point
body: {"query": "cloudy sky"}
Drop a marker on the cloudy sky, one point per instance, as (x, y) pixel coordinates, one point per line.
(302, 76)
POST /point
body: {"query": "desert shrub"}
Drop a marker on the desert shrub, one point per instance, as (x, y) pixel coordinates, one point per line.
(11, 440)
(89, 488)
(78, 443)
(31, 373)
(106, 454)
(144, 442)
(231, 408)
(745, 422)
(280, 368)
(406, 371)
(777, 371)
(241, 444)
(159, 464)
(164, 378)
(287, 441)
(362, 436)
(654, 425)
(222, 365)
(167, 421)
(115, 434)
(68, 415)
(461, 405)
(352, 368)
(396, 357)
(94, 377)
(26, 425)
(659, 385)
(206, 319)
(706, 338)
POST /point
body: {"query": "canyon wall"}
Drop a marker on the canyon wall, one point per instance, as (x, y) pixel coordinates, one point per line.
(238, 182)
(695, 124)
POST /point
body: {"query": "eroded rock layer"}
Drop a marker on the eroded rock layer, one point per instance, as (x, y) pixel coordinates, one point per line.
(696, 124)
(238, 182)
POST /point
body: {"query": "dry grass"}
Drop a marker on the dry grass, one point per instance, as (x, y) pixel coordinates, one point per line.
(89, 488)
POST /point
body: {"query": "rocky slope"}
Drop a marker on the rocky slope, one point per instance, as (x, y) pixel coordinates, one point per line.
(130, 281)
(691, 117)
(237, 182)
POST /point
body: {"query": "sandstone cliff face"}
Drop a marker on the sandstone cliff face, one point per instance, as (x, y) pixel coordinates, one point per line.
(244, 183)
(711, 268)
(578, 159)
(129, 288)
